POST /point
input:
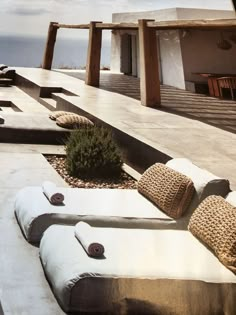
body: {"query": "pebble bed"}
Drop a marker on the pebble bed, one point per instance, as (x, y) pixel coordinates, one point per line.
(58, 163)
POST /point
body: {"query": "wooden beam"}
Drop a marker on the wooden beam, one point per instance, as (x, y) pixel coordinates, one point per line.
(207, 24)
(104, 26)
(49, 49)
(93, 55)
(74, 26)
(216, 24)
(149, 71)
(117, 26)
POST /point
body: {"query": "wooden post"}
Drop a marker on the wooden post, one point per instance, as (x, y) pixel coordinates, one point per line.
(149, 71)
(49, 49)
(93, 55)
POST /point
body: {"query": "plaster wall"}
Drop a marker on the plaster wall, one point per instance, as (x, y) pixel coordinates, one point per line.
(201, 54)
(184, 13)
(161, 15)
(172, 14)
(115, 51)
(171, 59)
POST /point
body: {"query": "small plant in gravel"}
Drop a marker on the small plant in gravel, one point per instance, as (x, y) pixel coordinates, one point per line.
(92, 152)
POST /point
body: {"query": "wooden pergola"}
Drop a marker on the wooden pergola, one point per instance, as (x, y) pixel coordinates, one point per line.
(149, 72)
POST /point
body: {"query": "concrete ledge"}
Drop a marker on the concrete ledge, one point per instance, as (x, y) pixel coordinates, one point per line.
(31, 128)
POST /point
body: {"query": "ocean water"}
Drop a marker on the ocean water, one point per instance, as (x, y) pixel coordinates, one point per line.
(28, 52)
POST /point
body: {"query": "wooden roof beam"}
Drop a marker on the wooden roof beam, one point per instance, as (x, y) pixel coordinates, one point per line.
(74, 26)
(117, 26)
(160, 25)
(194, 24)
(100, 25)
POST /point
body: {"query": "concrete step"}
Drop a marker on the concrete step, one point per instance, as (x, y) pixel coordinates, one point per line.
(31, 128)
(48, 102)
(51, 102)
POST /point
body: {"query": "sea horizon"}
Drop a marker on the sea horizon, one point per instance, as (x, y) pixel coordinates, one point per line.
(27, 51)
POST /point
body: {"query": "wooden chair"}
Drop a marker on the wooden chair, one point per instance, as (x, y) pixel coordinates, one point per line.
(227, 83)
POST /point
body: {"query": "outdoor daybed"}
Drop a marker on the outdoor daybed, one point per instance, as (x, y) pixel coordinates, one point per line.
(115, 207)
(148, 271)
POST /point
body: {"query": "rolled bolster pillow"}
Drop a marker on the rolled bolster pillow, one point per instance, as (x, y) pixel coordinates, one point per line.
(87, 237)
(51, 192)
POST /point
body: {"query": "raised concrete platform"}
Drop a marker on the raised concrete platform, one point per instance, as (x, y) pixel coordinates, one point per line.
(159, 134)
(19, 101)
(31, 128)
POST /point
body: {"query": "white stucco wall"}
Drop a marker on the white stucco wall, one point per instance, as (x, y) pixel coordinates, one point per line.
(161, 15)
(184, 14)
(115, 64)
(201, 4)
(171, 59)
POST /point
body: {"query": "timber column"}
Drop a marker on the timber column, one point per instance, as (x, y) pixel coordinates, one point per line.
(93, 55)
(49, 49)
(149, 71)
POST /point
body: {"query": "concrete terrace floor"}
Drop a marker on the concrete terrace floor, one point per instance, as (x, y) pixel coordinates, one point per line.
(23, 287)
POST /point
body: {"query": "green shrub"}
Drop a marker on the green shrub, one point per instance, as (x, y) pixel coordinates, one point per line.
(92, 152)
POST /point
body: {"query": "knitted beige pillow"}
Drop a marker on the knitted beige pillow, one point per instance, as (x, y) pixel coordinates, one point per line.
(214, 223)
(54, 115)
(73, 121)
(170, 190)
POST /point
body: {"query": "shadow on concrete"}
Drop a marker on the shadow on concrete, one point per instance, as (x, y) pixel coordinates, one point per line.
(213, 111)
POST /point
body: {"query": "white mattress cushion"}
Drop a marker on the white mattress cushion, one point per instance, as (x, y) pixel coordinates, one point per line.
(99, 207)
(110, 207)
(175, 259)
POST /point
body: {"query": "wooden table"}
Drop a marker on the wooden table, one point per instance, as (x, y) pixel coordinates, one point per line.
(212, 81)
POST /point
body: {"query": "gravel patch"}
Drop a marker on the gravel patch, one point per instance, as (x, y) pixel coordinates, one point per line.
(58, 163)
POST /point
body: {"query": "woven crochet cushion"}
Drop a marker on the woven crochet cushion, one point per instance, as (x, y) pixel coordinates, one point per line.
(214, 223)
(170, 190)
(73, 121)
(54, 115)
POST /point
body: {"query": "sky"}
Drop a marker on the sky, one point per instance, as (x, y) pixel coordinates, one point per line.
(32, 17)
